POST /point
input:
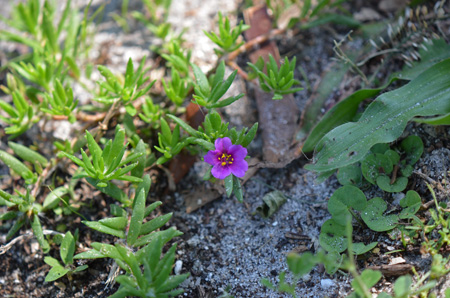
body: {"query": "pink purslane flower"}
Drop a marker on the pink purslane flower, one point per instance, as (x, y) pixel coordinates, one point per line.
(227, 159)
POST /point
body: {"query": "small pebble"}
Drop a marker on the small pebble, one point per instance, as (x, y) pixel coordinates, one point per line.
(326, 283)
(178, 266)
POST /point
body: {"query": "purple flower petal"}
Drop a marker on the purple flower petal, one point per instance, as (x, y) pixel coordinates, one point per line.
(237, 151)
(211, 157)
(222, 144)
(239, 167)
(220, 172)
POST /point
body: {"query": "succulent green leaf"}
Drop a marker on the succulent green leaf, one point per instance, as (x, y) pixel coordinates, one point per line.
(18, 167)
(104, 229)
(27, 154)
(136, 218)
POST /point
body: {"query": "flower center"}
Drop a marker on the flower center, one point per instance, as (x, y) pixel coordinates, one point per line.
(225, 159)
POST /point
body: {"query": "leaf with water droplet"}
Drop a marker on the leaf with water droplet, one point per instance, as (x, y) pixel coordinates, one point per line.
(385, 119)
(373, 216)
(332, 236)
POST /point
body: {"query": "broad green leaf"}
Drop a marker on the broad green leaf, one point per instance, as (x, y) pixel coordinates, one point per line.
(384, 182)
(51, 261)
(402, 286)
(301, 264)
(136, 218)
(350, 175)
(373, 216)
(55, 273)
(385, 119)
(413, 147)
(344, 199)
(411, 204)
(374, 165)
(342, 112)
(360, 248)
(332, 236)
(67, 248)
(440, 120)
(369, 278)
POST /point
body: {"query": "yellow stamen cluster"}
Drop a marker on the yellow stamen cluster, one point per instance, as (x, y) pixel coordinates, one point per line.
(225, 159)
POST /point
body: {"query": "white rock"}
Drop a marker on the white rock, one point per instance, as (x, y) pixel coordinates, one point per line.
(178, 266)
(326, 283)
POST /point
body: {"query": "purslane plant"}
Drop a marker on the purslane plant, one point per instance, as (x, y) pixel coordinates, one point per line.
(106, 164)
(227, 39)
(208, 92)
(134, 85)
(278, 80)
(140, 245)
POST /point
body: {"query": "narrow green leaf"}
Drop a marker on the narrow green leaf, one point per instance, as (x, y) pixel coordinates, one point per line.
(201, 80)
(104, 229)
(229, 185)
(53, 198)
(39, 234)
(27, 154)
(67, 248)
(155, 223)
(117, 223)
(184, 125)
(136, 218)
(18, 167)
(237, 189)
